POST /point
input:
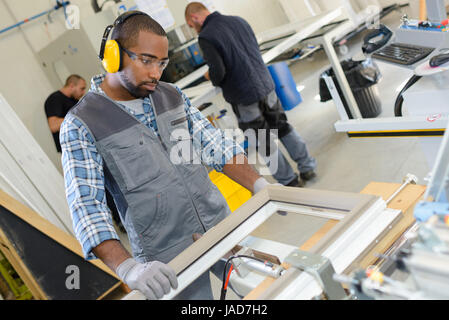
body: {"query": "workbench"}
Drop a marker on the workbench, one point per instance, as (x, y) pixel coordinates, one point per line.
(44, 257)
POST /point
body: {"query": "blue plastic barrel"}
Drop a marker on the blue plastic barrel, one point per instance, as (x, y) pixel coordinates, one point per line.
(286, 89)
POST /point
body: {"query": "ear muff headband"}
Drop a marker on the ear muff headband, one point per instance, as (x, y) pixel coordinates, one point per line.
(111, 51)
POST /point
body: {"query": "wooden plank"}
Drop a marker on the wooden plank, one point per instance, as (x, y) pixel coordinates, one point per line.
(404, 201)
(118, 285)
(422, 10)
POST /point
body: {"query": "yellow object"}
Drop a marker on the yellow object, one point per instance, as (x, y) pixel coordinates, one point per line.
(234, 193)
(112, 57)
(376, 276)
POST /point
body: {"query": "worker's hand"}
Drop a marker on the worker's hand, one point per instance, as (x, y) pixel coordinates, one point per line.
(153, 279)
(260, 184)
(207, 76)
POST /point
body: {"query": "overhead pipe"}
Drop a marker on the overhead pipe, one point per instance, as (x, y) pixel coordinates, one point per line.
(59, 4)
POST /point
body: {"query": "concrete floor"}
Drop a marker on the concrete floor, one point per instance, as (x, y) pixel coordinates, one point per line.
(344, 164)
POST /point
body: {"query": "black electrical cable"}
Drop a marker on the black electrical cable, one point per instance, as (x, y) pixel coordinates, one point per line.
(98, 8)
(223, 291)
(95, 6)
(400, 98)
(102, 5)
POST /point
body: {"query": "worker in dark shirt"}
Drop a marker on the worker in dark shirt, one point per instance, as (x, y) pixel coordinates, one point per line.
(232, 53)
(60, 102)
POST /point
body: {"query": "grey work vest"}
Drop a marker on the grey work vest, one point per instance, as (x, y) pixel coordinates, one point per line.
(161, 204)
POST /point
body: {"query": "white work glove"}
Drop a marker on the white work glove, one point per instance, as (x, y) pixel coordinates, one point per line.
(153, 279)
(261, 183)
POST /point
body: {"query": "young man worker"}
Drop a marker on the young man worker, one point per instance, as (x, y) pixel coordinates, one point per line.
(126, 135)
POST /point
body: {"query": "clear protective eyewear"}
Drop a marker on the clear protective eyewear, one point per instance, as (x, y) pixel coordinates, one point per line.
(148, 60)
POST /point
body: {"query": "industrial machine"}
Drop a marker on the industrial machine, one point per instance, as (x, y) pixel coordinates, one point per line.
(414, 43)
(184, 53)
(417, 265)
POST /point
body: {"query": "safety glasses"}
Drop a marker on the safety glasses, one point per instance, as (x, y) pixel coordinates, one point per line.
(147, 60)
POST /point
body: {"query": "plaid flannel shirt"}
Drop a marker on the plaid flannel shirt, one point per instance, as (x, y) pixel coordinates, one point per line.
(83, 167)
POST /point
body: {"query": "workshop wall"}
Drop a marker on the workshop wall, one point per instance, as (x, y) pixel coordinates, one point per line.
(23, 82)
(297, 10)
(262, 15)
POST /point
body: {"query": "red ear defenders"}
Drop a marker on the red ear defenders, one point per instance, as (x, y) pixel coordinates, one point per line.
(111, 52)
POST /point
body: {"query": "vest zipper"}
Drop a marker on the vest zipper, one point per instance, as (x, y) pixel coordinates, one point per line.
(184, 184)
(162, 143)
(191, 200)
(180, 175)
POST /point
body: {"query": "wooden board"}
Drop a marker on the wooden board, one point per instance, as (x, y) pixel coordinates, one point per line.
(40, 253)
(404, 201)
(422, 10)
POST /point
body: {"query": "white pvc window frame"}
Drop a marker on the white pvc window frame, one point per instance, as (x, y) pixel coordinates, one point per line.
(355, 212)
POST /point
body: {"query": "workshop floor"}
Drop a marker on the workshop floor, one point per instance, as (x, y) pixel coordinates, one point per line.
(344, 164)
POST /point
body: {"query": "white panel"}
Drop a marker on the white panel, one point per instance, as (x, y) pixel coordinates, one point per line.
(33, 168)
(296, 10)
(26, 87)
(177, 8)
(15, 182)
(262, 15)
